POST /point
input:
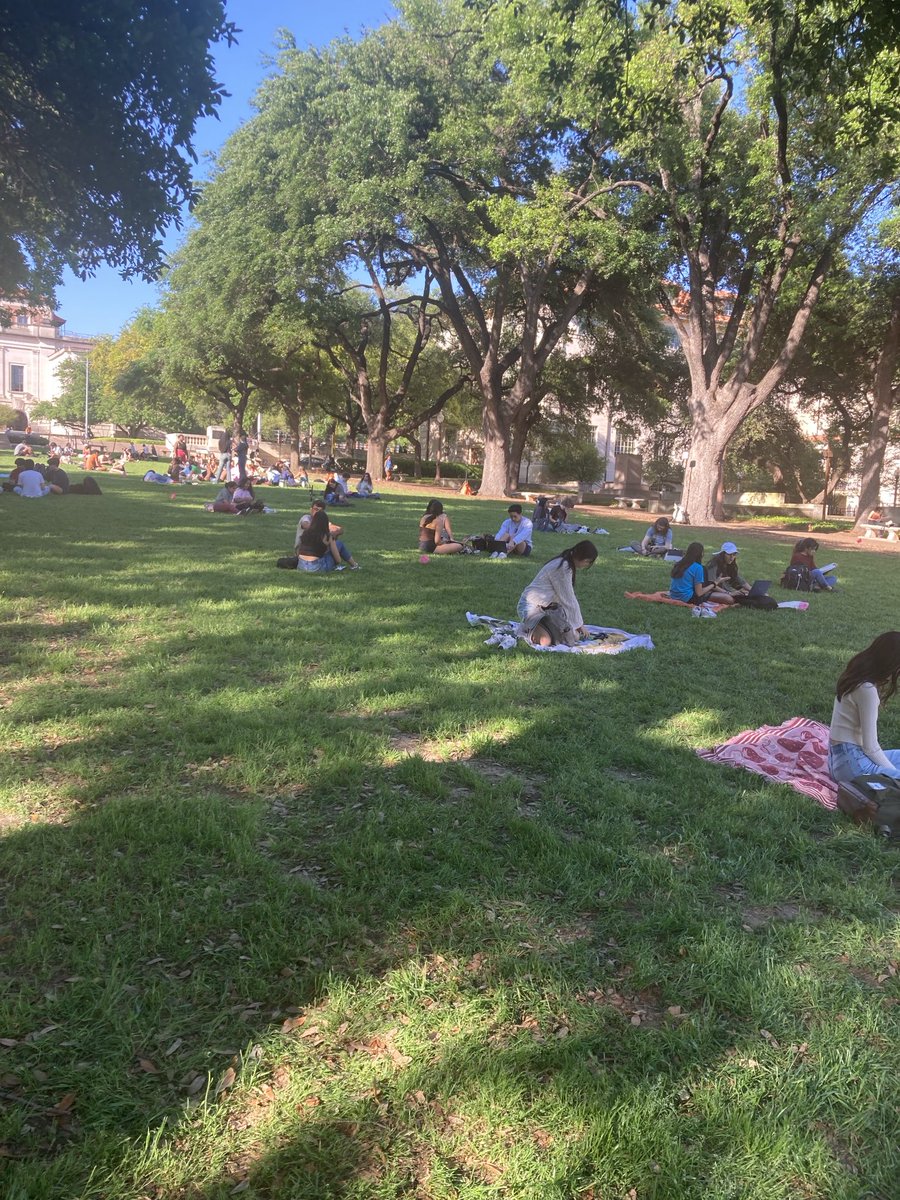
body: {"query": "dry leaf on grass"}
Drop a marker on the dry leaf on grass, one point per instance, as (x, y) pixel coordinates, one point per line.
(226, 1081)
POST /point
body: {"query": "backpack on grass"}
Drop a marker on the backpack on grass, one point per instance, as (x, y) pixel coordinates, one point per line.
(797, 579)
(763, 603)
(872, 800)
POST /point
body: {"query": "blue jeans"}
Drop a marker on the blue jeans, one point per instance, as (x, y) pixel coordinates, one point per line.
(846, 760)
(342, 550)
(823, 580)
(325, 563)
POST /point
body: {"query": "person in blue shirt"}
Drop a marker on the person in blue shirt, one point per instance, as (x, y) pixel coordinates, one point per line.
(689, 580)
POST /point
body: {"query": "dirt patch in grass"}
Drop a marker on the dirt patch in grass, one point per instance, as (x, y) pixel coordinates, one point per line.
(419, 746)
(759, 916)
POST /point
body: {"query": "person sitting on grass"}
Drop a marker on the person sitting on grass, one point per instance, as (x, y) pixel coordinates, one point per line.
(435, 533)
(722, 569)
(31, 485)
(804, 556)
(548, 609)
(318, 549)
(689, 580)
(56, 475)
(657, 541)
(336, 531)
(224, 501)
(244, 498)
(868, 681)
(540, 518)
(334, 493)
(365, 489)
(514, 534)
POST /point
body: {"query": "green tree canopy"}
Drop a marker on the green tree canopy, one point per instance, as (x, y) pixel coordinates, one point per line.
(755, 137)
(98, 103)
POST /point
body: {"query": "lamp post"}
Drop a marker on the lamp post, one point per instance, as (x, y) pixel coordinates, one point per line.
(87, 388)
(827, 459)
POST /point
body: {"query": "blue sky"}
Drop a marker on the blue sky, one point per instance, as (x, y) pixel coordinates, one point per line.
(106, 302)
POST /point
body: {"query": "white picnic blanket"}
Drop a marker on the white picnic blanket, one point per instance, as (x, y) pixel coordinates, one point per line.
(507, 634)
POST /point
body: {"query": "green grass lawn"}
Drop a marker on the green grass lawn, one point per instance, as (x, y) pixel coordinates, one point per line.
(307, 893)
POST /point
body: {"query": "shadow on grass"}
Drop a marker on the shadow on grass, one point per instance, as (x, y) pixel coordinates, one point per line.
(540, 946)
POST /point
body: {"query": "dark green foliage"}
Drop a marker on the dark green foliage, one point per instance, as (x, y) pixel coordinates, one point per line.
(99, 102)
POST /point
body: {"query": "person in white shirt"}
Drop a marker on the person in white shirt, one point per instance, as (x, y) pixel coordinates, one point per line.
(515, 533)
(548, 608)
(31, 484)
(868, 681)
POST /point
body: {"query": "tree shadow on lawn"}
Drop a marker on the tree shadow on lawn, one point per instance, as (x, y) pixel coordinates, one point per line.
(516, 846)
(508, 952)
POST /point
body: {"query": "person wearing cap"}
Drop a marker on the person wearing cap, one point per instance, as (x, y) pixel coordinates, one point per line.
(722, 570)
(657, 541)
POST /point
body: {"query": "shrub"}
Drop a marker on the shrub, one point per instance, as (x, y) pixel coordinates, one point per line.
(12, 416)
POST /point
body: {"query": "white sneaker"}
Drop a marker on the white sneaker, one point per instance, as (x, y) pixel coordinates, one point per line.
(501, 555)
(495, 555)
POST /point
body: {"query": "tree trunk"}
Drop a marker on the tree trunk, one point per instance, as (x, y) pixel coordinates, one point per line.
(882, 405)
(293, 424)
(495, 472)
(376, 448)
(703, 474)
(417, 456)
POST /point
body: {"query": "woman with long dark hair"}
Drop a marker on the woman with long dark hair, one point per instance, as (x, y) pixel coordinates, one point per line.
(317, 547)
(435, 532)
(804, 556)
(548, 608)
(689, 580)
(868, 681)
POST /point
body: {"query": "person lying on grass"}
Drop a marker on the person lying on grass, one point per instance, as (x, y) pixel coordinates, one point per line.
(435, 533)
(318, 549)
(722, 570)
(689, 580)
(548, 609)
(868, 681)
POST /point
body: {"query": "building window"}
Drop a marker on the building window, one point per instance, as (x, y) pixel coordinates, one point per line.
(16, 378)
(625, 443)
(21, 318)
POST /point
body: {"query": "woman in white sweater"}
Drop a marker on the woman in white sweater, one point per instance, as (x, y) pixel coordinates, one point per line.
(868, 680)
(548, 609)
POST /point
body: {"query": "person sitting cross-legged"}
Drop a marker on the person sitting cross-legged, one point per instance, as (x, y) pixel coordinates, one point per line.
(722, 570)
(515, 534)
(689, 580)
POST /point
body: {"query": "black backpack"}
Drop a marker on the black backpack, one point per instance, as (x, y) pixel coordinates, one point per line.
(872, 799)
(797, 579)
(763, 603)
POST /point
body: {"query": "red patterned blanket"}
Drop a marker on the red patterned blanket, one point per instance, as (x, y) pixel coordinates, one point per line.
(795, 753)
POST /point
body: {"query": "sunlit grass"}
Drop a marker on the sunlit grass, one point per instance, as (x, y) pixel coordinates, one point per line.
(308, 893)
